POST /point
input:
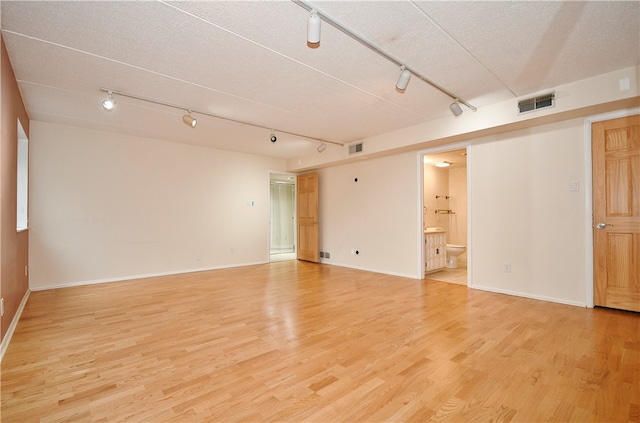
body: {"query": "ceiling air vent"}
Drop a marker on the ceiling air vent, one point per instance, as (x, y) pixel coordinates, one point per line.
(536, 103)
(355, 148)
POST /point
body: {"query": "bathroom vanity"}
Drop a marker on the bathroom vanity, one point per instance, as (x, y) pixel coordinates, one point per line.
(435, 249)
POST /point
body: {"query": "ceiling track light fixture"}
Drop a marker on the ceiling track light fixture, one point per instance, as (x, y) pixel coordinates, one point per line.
(455, 108)
(190, 121)
(313, 29)
(322, 147)
(108, 103)
(377, 49)
(403, 80)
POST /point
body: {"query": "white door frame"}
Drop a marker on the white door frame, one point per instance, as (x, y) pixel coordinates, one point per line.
(295, 211)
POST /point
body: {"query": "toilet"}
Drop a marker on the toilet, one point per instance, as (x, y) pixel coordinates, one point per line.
(453, 251)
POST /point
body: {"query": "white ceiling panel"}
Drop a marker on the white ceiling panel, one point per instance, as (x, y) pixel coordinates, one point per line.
(249, 61)
(412, 36)
(533, 45)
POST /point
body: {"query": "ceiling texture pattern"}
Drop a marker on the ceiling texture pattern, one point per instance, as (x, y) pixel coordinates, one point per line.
(249, 61)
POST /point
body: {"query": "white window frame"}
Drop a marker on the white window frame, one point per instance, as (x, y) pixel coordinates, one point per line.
(22, 193)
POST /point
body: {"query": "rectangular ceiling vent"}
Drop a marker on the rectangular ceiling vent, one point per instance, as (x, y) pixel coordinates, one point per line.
(537, 103)
(355, 148)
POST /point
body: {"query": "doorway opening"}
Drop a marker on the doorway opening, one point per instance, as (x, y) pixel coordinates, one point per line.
(282, 232)
(445, 216)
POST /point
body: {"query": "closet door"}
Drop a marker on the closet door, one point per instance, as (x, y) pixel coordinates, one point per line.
(307, 197)
(616, 213)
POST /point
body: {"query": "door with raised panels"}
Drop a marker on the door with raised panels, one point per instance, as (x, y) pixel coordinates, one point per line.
(307, 197)
(616, 213)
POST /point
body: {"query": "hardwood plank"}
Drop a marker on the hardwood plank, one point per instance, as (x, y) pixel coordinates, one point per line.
(301, 341)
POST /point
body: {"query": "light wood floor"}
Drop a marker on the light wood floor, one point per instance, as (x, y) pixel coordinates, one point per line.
(458, 275)
(296, 341)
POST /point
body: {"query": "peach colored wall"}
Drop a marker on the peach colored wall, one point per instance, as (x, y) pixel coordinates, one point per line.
(524, 213)
(107, 206)
(436, 182)
(14, 246)
(457, 233)
(375, 215)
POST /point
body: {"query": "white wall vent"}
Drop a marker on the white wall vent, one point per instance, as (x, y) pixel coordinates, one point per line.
(355, 148)
(536, 103)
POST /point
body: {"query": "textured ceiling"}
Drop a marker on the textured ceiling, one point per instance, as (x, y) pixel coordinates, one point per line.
(249, 61)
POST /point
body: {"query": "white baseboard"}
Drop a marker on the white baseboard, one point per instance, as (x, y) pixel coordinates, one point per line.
(13, 325)
(528, 295)
(148, 275)
(401, 275)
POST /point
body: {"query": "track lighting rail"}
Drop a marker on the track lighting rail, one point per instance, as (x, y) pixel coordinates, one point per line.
(112, 92)
(379, 50)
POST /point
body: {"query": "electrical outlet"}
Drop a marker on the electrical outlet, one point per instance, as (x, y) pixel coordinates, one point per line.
(507, 267)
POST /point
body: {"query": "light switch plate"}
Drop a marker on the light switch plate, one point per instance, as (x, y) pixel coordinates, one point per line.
(625, 84)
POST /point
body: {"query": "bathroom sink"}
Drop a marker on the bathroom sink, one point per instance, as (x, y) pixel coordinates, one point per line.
(431, 230)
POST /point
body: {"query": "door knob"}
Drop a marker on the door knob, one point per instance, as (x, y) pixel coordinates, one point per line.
(602, 225)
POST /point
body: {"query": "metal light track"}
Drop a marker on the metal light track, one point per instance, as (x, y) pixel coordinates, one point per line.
(379, 50)
(187, 109)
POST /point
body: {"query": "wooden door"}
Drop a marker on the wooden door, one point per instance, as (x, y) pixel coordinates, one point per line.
(307, 197)
(616, 213)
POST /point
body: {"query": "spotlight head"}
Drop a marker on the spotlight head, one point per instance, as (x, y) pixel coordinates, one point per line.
(322, 147)
(403, 80)
(108, 103)
(189, 120)
(313, 30)
(274, 138)
(455, 108)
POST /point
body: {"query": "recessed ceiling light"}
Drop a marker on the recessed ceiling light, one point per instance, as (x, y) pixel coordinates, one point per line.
(442, 164)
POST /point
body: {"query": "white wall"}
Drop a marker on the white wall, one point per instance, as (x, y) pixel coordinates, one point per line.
(524, 213)
(106, 206)
(378, 215)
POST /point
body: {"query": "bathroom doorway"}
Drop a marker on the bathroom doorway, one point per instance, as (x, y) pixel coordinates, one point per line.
(445, 211)
(282, 232)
